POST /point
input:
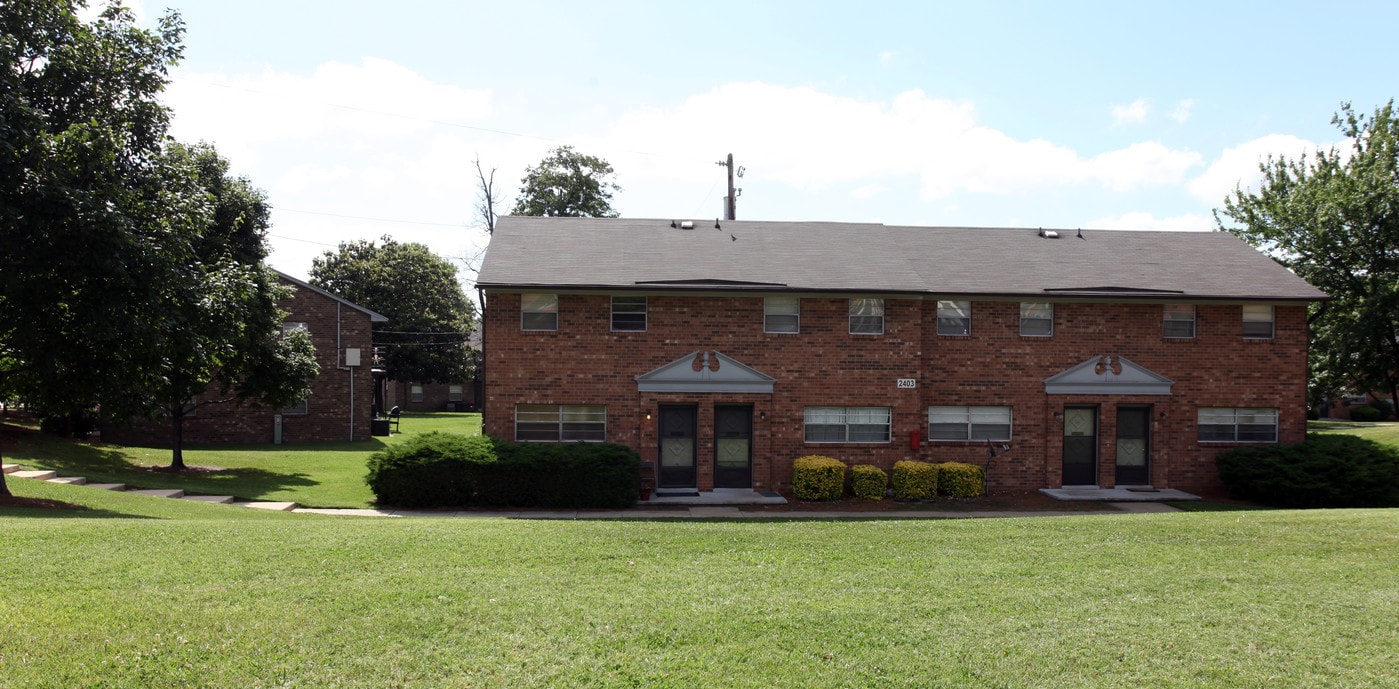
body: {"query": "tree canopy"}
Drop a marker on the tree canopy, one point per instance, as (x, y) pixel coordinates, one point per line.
(430, 317)
(1333, 218)
(568, 184)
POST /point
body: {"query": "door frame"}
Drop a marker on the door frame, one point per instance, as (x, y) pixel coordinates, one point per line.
(664, 480)
(748, 409)
(1145, 478)
(1064, 449)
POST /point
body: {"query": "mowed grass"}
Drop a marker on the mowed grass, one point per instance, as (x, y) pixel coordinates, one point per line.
(310, 474)
(1385, 432)
(142, 592)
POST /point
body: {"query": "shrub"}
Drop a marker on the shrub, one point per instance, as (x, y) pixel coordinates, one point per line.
(1313, 415)
(914, 480)
(561, 475)
(815, 477)
(960, 480)
(428, 470)
(868, 481)
(1365, 413)
(1385, 407)
(1323, 471)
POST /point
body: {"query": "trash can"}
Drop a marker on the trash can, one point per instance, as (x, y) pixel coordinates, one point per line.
(379, 427)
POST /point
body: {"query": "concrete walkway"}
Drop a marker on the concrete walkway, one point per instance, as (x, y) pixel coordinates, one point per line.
(703, 506)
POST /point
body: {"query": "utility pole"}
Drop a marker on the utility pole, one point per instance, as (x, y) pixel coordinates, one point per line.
(731, 201)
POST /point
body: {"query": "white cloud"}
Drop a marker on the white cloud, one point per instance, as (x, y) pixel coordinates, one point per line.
(1132, 112)
(1181, 113)
(1189, 222)
(1238, 166)
(886, 58)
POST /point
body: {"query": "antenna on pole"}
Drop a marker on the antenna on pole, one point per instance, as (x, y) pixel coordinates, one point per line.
(731, 201)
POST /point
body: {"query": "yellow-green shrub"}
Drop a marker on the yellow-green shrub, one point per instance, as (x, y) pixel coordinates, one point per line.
(960, 480)
(815, 477)
(868, 481)
(914, 480)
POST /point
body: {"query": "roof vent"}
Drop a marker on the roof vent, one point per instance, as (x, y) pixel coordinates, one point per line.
(687, 224)
(1048, 234)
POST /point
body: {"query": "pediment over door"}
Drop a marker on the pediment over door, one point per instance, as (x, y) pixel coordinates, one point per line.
(1107, 375)
(705, 371)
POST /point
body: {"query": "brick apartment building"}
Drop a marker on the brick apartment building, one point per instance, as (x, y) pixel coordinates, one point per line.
(342, 395)
(724, 351)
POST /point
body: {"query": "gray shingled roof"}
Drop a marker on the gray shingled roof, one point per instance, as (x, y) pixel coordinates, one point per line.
(632, 254)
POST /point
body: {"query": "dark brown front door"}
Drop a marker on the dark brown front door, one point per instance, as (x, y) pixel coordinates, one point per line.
(1080, 446)
(733, 446)
(1133, 446)
(677, 451)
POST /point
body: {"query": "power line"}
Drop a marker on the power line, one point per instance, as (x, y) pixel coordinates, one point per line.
(361, 217)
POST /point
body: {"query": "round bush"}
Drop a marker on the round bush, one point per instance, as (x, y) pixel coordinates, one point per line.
(428, 470)
(1385, 407)
(868, 481)
(914, 480)
(816, 477)
(1325, 470)
(960, 480)
(1366, 413)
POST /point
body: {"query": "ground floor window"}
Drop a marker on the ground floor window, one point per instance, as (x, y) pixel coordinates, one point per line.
(453, 393)
(1220, 424)
(560, 422)
(847, 424)
(415, 393)
(969, 423)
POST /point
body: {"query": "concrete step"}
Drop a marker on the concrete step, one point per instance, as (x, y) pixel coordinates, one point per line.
(220, 499)
(9, 468)
(41, 475)
(70, 480)
(277, 506)
(106, 486)
(161, 493)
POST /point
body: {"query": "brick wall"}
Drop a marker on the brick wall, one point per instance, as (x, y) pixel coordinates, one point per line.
(584, 362)
(328, 416)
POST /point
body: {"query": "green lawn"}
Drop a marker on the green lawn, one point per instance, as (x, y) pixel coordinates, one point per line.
(311, 474)
(144, 592)
(1385, 432)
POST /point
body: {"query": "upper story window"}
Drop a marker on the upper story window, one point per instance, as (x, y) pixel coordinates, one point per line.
(1217, 424)
(847, 424)
(290, 326)
(867, 316)
(1179, 320)
(782, 314)
(629, 313)
(968, 423)
(1258, 321)
(539, 312)
(954, 318)
(1036, 318)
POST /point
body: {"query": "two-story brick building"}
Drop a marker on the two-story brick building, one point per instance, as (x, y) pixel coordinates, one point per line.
(342, 395)
(724, 351)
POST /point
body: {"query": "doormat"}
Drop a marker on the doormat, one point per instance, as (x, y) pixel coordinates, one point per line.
(677, 494)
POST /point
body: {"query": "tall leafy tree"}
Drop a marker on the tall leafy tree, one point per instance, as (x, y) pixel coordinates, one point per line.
(430, 318)
(1333, 218)
(567, 184)
(90, 236)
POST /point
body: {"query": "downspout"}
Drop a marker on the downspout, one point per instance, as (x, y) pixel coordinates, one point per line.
(339, 354)
(481, 367)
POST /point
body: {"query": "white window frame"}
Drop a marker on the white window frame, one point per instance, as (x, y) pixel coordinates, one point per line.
(854, 422)
(954, 317)
(1176, 314)
(454, 393)
(866, 313)
(301, 408)
(951, 424)
(539, 312)
(570, 423)
(782, 315)
(628, 311)
(1236, 425)
(1039, 315)
(1260, 321)
(415, 392)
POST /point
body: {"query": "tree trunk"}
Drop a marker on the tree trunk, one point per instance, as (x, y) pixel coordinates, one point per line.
(177, 438)
(4, 488)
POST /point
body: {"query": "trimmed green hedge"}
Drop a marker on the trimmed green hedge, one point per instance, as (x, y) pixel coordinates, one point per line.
(914, 480)
(1325, 470)
(960, 480)
(868, 481)
(1366, 413)
(445, 470)
(816, 477)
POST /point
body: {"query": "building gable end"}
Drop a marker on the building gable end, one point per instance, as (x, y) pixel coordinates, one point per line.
(705, 371)
(1107, 375)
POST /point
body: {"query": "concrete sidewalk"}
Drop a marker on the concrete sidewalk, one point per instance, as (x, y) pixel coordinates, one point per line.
(730, 512)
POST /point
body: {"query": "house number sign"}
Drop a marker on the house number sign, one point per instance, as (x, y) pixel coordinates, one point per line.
(908, 383)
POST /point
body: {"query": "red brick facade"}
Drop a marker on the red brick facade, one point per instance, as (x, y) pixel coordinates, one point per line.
(433, 396)
(338, 409)
(584, 362)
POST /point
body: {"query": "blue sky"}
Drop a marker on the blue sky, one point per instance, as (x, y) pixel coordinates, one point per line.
(360, 119)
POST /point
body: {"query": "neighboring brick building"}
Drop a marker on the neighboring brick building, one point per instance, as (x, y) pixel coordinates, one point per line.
(339, 407)
(1101, 358)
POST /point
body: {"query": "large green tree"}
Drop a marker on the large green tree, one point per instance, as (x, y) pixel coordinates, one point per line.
(1333, 218)
(430, 318)
(567, 184)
